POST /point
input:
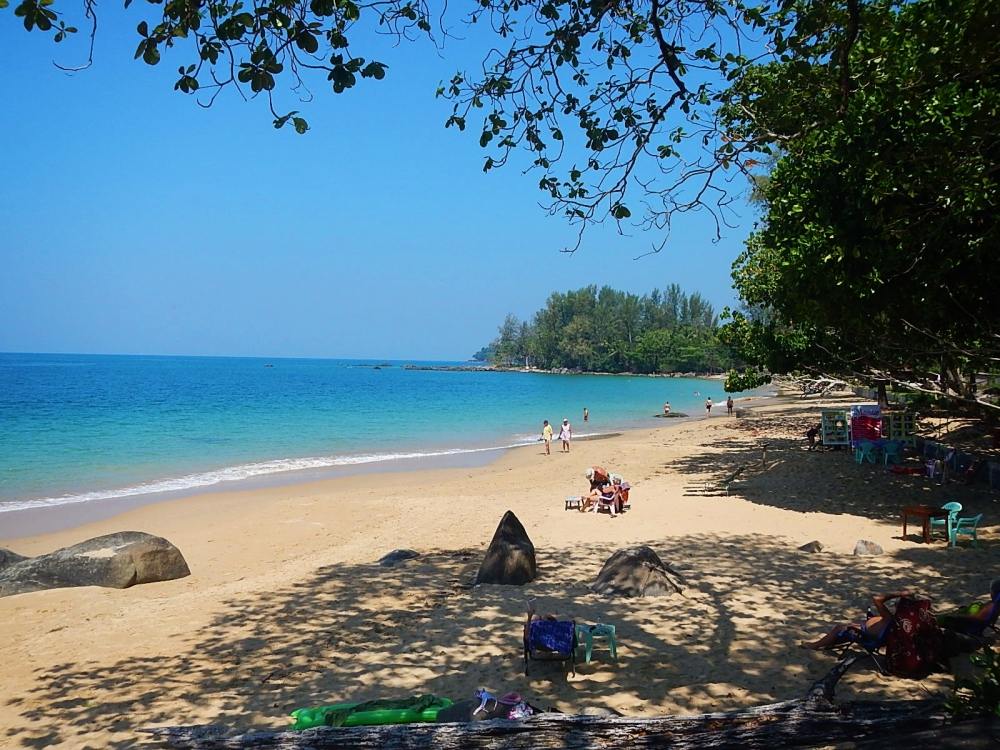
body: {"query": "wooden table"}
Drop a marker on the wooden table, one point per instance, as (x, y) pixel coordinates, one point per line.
(926, 513)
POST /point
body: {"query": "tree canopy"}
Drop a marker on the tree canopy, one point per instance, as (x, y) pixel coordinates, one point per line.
(876, 254)
(605, 330)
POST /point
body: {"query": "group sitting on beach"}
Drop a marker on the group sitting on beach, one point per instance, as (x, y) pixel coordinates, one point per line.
(607, 490)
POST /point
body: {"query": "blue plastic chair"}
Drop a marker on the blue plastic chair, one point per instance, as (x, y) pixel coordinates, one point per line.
(865, 450)
(965, 527)
(892, 452)
(949, 522)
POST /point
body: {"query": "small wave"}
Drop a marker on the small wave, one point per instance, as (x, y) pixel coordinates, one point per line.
(247, 471)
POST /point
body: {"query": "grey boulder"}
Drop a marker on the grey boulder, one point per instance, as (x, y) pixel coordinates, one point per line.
(510, 558)
(397, 556)
(9, 558)
(637, 572)
(866, 548)
(118, 561)
(811, 547)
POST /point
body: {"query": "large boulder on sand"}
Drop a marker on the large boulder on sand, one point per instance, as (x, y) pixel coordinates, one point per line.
(115, 560)
(637, 572)
(865, 547)
(9, 558)
(510, 558)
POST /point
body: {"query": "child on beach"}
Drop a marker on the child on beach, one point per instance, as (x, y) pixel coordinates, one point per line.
(729, 405)
(547, 436)
(708, 405)
(565, 434)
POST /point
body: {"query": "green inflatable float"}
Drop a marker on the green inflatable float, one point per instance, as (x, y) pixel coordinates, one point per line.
(386, 711)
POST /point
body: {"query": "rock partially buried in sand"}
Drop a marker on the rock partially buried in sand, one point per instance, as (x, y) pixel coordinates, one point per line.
(510, 558)
(866, 548)
(397, 556)
(811, 547)
(117, 561)
(637, 572)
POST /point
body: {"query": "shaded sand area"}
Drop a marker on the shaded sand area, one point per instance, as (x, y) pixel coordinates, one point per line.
(285, 606)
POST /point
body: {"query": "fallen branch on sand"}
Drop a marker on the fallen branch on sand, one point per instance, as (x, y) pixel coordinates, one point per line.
(797, 723)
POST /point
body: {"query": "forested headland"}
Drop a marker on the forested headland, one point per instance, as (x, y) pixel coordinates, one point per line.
(606, 330)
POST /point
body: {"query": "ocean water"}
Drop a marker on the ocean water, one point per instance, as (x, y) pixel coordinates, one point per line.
(79, 428)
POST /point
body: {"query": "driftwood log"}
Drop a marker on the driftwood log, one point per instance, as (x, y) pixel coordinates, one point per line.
(797, 723)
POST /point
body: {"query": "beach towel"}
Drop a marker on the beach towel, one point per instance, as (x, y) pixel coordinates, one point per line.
(551, 635)
(914, 645)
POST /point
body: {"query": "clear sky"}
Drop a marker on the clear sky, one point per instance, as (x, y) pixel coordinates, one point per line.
(133, 221)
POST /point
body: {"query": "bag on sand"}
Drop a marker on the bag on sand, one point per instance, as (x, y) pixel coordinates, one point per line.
(913, 647)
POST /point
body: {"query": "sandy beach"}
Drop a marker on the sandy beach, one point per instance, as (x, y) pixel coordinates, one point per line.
(286, 607)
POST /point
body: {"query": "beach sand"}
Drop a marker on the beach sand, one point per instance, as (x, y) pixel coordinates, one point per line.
(286, 607)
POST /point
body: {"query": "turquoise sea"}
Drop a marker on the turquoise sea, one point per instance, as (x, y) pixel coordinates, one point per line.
(79, 428)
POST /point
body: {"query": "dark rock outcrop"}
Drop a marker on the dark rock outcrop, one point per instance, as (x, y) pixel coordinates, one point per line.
(397, 556)
(811, 547)
(510, 558)
(115, 561)
(9, 558)
(637, 572)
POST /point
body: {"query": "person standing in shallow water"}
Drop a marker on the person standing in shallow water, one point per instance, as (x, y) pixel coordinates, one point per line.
(666, 408)
(565, 434)
(708, 405)
(547, 436)
(586, 414)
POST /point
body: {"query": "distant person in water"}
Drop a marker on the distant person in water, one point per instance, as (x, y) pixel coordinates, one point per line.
(547, 436)
(666, 408)
(565, 434)
(586, 414)
(708, 405)
(729, 405)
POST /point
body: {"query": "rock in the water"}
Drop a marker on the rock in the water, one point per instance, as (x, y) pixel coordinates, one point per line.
(637, 572)
(397, 556)
(864, 547)
(811, 547)
(115, 560)
(9, 558)
(510, 558)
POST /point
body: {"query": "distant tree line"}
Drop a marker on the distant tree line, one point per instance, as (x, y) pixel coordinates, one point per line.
(605, 330)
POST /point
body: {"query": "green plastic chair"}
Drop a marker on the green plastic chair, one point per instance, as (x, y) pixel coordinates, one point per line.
(948, 523)
(965, 527)
(585, 636)
(892, 452)
(866, 450)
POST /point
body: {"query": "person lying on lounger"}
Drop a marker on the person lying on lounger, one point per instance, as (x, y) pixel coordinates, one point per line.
(974, 619)
(870, 629)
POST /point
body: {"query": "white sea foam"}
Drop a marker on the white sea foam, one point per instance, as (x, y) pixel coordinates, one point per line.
(249, 471)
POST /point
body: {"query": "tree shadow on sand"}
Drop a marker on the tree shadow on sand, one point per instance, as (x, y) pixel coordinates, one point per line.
(354, 632)
(775, 469)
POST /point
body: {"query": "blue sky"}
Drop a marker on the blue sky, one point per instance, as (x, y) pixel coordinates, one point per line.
(134, 221)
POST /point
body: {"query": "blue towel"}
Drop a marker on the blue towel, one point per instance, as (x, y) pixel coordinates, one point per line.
(551, 635)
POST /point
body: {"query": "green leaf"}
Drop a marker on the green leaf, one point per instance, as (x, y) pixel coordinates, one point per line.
(151, 55)
(301, 126)
(620, 212)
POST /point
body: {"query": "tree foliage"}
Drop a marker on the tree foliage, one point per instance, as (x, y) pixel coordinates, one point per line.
(876, 254)
(606, 330)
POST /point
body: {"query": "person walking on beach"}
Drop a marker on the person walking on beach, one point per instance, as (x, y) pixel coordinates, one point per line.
(729, 405)
(708, 405)
(565, 434)
(547, 436)
(586, 414)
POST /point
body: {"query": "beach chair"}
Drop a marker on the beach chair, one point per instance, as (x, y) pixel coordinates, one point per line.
(550, 640)
(965, 527)
(962, 620)
(949, 522)
(865, 450)
(872, 646)
(892, 452)
(609, 502)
